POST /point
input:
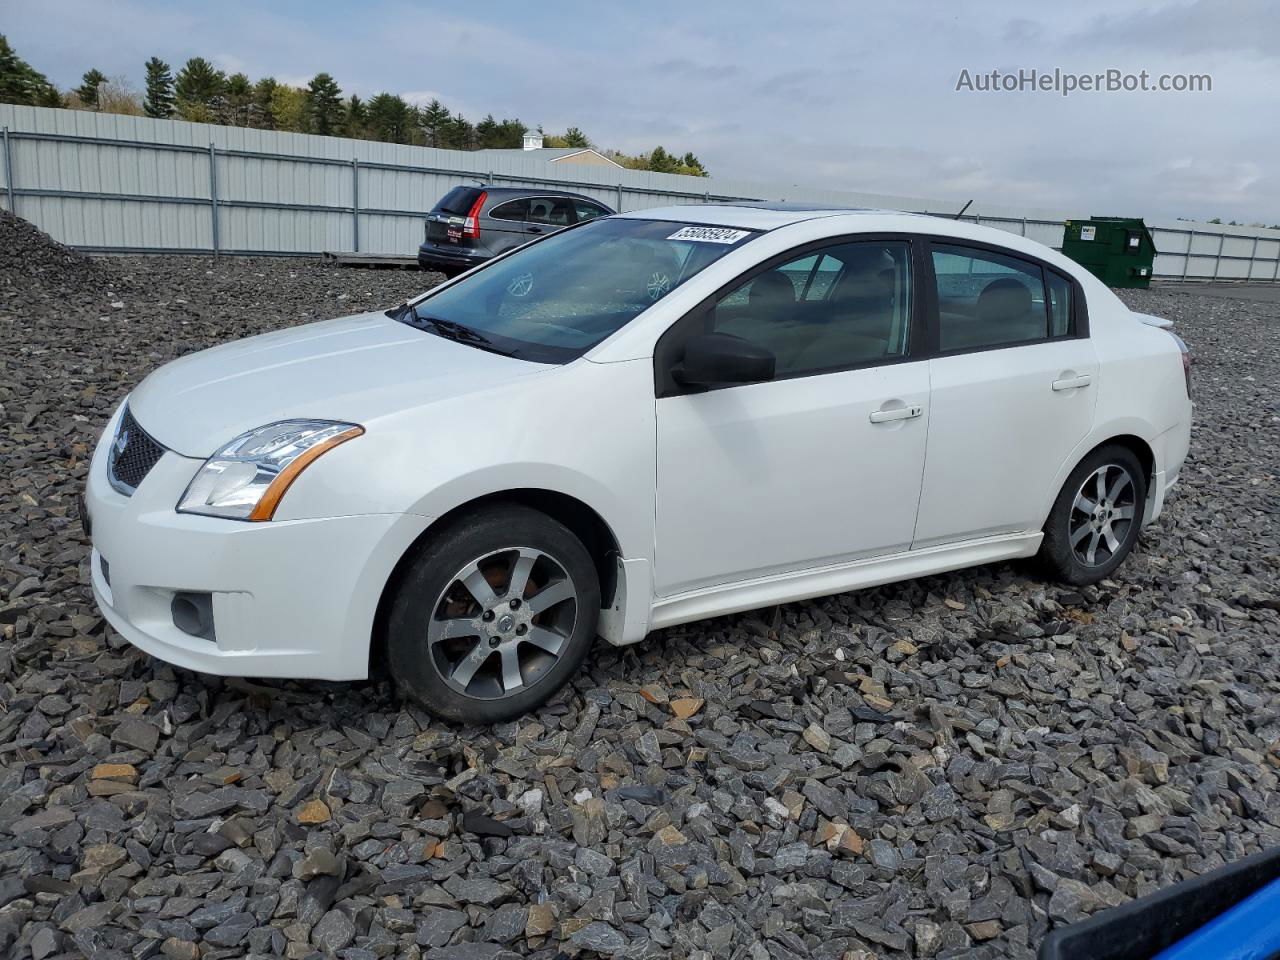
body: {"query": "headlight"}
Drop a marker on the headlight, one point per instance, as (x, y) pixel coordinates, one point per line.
(246, 479)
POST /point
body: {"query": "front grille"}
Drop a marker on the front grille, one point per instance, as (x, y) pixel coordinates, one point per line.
(133, 454)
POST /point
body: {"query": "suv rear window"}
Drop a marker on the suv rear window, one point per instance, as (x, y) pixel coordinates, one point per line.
(458, 201)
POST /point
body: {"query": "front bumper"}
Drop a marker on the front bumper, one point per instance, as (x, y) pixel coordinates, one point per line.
(291, 598)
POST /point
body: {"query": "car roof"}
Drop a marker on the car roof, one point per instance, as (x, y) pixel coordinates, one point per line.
(772, 216)
(508, 192)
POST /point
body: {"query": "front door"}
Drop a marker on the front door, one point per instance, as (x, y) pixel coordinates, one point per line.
(818, 466)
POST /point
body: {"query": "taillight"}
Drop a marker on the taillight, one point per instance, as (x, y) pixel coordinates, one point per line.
(471, 226)
(1186, 360)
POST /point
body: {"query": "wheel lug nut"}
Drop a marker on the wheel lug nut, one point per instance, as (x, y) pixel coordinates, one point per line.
(495, 641)
(488, 615)
(522, 630)
(515, 603)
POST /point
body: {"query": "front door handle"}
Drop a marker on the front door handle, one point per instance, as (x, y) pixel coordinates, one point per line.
(1071, 383)
(884, 415)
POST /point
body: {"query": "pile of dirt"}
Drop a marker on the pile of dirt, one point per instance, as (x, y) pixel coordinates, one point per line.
(33, 262)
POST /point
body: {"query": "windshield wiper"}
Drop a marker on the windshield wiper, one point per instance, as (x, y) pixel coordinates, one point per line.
(408, 313)
(449, 329)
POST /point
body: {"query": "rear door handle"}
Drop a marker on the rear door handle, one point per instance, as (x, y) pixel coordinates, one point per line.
(535, 229)
(1071, 383)
(895, 413)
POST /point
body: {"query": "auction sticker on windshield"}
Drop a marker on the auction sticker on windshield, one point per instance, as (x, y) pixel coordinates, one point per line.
(709, 234)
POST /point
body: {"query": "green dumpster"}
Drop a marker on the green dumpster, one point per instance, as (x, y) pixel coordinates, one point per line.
(1118, 251)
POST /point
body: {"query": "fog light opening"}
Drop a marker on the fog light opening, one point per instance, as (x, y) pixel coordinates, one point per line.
(193, 614)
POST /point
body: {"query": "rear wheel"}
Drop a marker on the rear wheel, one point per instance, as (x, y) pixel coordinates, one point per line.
(1097, 517)
(494, 615)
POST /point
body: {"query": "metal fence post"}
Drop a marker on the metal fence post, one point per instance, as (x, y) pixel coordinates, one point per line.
(8, 171)
(619, 196)
(1253, 256)
(1186, 260)
(213, 195)
(355, 204)
(1217, 263)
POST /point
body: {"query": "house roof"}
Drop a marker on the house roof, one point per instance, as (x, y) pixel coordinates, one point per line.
(550, 154)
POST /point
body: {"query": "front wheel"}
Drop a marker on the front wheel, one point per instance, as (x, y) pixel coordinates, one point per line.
(1097, 517)
(493, 616)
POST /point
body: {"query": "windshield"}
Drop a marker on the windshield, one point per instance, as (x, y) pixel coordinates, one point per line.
(553, 300)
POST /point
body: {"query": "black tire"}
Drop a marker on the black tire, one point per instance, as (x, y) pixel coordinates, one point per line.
(431, 594)
(1069, 519)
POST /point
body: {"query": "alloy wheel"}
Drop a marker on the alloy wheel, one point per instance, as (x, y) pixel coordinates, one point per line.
(1104, 510)
(501, 622)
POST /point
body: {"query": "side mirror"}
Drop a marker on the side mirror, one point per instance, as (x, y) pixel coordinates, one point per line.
(716, 359)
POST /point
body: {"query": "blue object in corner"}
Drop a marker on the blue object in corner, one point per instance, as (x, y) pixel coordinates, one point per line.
(1248, 931)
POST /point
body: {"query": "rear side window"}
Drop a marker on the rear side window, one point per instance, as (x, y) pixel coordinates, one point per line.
(459, 201)
(588, 211)
(517, 210)
(1059, 304)
(987, 300)
(556, 211)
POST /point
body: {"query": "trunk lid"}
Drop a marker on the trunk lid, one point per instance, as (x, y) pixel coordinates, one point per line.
(447, 223)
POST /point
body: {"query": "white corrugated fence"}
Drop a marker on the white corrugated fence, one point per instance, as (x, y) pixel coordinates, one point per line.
(110, 183)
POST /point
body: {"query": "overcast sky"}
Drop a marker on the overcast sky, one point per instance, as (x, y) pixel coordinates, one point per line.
(841, 95)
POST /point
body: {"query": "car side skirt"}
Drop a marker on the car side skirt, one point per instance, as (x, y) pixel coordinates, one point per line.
(824, 581)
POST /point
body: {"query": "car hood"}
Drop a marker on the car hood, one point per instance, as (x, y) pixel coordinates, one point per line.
(353, 369)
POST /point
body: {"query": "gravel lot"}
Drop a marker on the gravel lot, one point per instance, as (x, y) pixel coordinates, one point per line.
(942, 768)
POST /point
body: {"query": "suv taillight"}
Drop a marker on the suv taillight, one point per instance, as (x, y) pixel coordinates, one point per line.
(471, 226)
(1186, 360)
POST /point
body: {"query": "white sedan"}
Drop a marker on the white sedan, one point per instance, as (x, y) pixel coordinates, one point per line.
(638, 422)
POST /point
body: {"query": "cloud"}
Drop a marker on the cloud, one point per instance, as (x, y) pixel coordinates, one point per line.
(826, 95)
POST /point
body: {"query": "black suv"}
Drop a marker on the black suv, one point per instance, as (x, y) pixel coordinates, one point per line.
(473, 224)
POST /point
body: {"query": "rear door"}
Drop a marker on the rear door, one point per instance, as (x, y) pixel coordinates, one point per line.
(1013, 385)
(504, 226)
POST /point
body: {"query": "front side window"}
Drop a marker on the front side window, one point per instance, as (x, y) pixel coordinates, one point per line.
(556, 211)
(847, 305)
(987, 300)
(553, 300)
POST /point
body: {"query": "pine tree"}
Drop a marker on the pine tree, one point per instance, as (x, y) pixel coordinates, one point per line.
(435, 123)
(159, 100)
(459, 134)
(88, 89)
(573, 137)
(262, 112)
(21, 83)
(510, 134)
(661, 161)
(324, 105)
(389, 118)
(199, 89)
(487, 133)
(47, 95)
(357, 119)
(236, 100)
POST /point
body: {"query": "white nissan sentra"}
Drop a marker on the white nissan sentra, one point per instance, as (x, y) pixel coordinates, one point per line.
(641, 421)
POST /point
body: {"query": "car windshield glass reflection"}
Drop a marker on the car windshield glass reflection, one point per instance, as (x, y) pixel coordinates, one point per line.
(555, 299)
